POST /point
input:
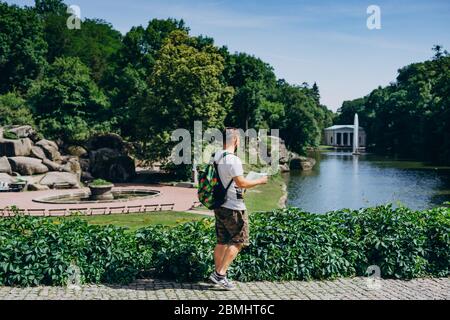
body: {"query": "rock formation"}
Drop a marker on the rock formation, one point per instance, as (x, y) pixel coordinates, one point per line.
(44, 165)
(41, 159)
(289, 160)
(108, 159)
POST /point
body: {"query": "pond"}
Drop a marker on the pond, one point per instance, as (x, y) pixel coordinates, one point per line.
(342, 180)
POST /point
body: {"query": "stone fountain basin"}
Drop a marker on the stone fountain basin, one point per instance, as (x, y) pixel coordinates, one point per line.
(83, 197)
(101, 192)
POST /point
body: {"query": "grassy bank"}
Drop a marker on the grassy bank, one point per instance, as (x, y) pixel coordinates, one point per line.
(134, 221)
(265, 197)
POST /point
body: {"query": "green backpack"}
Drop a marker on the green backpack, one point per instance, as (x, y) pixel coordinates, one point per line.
(211, 191)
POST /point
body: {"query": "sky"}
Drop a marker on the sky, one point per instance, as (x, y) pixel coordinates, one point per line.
(327, 42)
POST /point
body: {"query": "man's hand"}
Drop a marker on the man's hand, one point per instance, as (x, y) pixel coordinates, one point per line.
(263, 180)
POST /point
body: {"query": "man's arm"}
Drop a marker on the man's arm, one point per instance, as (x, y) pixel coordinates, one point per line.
(243, 183)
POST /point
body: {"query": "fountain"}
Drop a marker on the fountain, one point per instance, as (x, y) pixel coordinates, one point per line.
(101, 190)
(100, 194)
(356, 135)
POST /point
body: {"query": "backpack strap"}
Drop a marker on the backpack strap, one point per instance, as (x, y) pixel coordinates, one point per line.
(217, 169)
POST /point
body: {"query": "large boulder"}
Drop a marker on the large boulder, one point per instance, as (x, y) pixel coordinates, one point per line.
(27, 166)
(36, 187)
(51, 165)
(72, 164)
(283, 152)
(45, 142)
(15, 148)
(52, 179)
(37, 152)
(85, 164)
(110, 141)
(77, 151)
(6, 178)
(303, 163)
(5, 167)
(112, 165)
(50, 149)
(24, 131)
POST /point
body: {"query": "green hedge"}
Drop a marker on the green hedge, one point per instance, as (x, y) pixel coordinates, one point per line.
(286, 244)
(39, 251)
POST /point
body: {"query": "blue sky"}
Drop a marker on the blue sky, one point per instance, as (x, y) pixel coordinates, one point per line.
(305, 41)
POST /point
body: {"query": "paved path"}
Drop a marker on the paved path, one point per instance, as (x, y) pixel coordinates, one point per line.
(354, 288)
(183, 198)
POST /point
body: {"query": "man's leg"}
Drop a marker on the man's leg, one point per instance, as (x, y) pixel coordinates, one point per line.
(219, 253)
(229, 255)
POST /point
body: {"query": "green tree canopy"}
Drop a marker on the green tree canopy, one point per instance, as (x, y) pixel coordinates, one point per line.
(410, 117)
(14, 110)
(22, 47)
(67, 96)
(185, 86)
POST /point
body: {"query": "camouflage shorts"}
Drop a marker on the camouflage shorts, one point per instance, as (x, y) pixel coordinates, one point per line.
(231, 226)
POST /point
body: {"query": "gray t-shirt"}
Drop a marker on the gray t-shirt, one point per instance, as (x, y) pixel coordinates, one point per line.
(230, 166)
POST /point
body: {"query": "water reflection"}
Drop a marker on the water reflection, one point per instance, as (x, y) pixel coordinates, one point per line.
(342, 180)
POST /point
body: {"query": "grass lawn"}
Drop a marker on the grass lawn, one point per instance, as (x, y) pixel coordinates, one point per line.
(134, 221)
(265, 197)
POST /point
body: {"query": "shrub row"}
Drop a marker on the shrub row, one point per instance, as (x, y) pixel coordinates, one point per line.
(286, 244)
(39, 251)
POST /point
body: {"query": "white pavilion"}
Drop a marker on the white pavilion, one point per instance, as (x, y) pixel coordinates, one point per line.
(342, 136)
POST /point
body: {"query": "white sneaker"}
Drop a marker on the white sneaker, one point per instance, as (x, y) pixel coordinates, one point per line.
(222, 282)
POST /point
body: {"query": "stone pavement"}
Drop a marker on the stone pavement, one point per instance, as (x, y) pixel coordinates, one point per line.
(182, 198)
(351, 288)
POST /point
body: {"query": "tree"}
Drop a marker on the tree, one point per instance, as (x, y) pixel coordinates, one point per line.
(67, 102)
(253, 81)
(128, 80)
(141, 45)
(185, 87)
(410, 117)
(50, 7)
(14, 110)
(22, 48)
(299, 129)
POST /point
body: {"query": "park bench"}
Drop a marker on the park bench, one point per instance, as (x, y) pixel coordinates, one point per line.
(36, 212)
(167, 206)
(56, 212)
(98, 211)
(133, 209)
(150, 207)
(115, 210)
(81, 211)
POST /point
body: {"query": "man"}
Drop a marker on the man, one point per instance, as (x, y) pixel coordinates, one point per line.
(232, 228)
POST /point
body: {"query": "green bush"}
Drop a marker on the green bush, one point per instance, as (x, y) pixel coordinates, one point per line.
(10, 135)
(100, 182)
(183, 253)
(289, 244)
(14, 110)
(286, 244)
(39, 251)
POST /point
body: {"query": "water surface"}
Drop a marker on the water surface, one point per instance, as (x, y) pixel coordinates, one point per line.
(342, 180)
